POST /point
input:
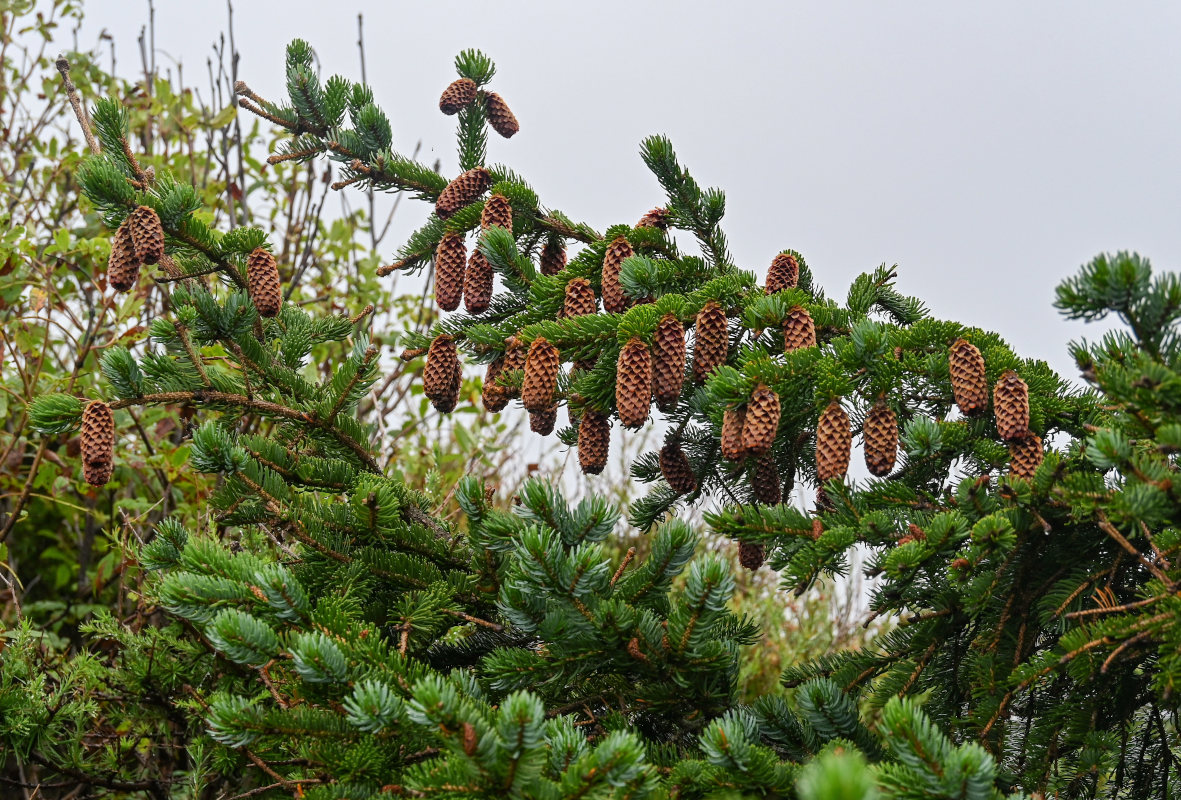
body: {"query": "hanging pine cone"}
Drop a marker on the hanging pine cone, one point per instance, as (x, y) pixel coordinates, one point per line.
(498, 212)
(465, 189)
(514, 359)
(441, 375)
(712, 340)
(656, 218)
(676, 469)
(765, 481)
(541, 376)
(783, 274)
(594, 441)
(1010, 401)
(614, 300)
(968, 383)
(762, 421)
(123, 265)
(668, 361)
(500, 117)
(494, 396)
(450, 265)
(147, 234)
(553, 257)
(834, 440)
(633, 383)
(733, 420)
(262, 282)
(798, 330)
(1025, 455)
(580, 299)
(542, 422)
(457, 96)
(751, 556)
(98, 443)
(477, 284)
(881, 439)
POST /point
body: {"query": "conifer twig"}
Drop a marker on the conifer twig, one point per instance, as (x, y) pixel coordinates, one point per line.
(63, 66)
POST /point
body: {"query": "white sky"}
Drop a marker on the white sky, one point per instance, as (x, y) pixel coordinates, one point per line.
(988, 149)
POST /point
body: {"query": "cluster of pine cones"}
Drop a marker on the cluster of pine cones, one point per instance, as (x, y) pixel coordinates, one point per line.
(464, 92)
(1010, 401)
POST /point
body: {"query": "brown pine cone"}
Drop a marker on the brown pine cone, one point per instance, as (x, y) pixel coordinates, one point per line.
(98, 443)
(498, 212)
(542, 422)
(762, 421)
(614, 300)
(798, 330)
(676, 469)
(147, 234)
(500, 117)
(471, 740)
(668, 361)
(783, 274)
(442, 373)
(881, 439)
(656, 218)
(733, 420)
(834, 441)
(123, 264)
(477, 283)
(450, 266)
(1025, 455)
(968, 383)
(553, 258)
(594, 441)
(712, 340)
(495, 397)
(751, 556)
(541, 376)
(1010, 402)
(580, 298)
(457, 96)
(633, 383)
(765, 482)
(514, 358)
(262, 282)
(465, 189)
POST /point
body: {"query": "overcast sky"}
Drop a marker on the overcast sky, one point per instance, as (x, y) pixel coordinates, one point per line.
(987, 149)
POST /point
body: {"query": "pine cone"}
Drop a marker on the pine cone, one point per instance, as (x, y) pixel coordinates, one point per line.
(712, 340)
(498, 212)
(123, 265)
(881, 439)
(668, 361)
(98, 443)
(765, 482)
(676, 469)
(477, 284)
(783, 274)
(751, 556)
(457, 96)
(633, 383)
(1025, 455)
(450, 265)
(541, 376)
(471, 740)
(147, 234)
(614, 300)
(495, 397)
(500, 117)
(798, 330)
(553, 258)
(762, 421)
(514, 359)
(465, 189)
(733, 420)
(656, 218)
(1010, 401)
(262, 282)
(580, 299)
(594, 441)
(968, 383)
(441, 375)
(834, 440)
(542, 422)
